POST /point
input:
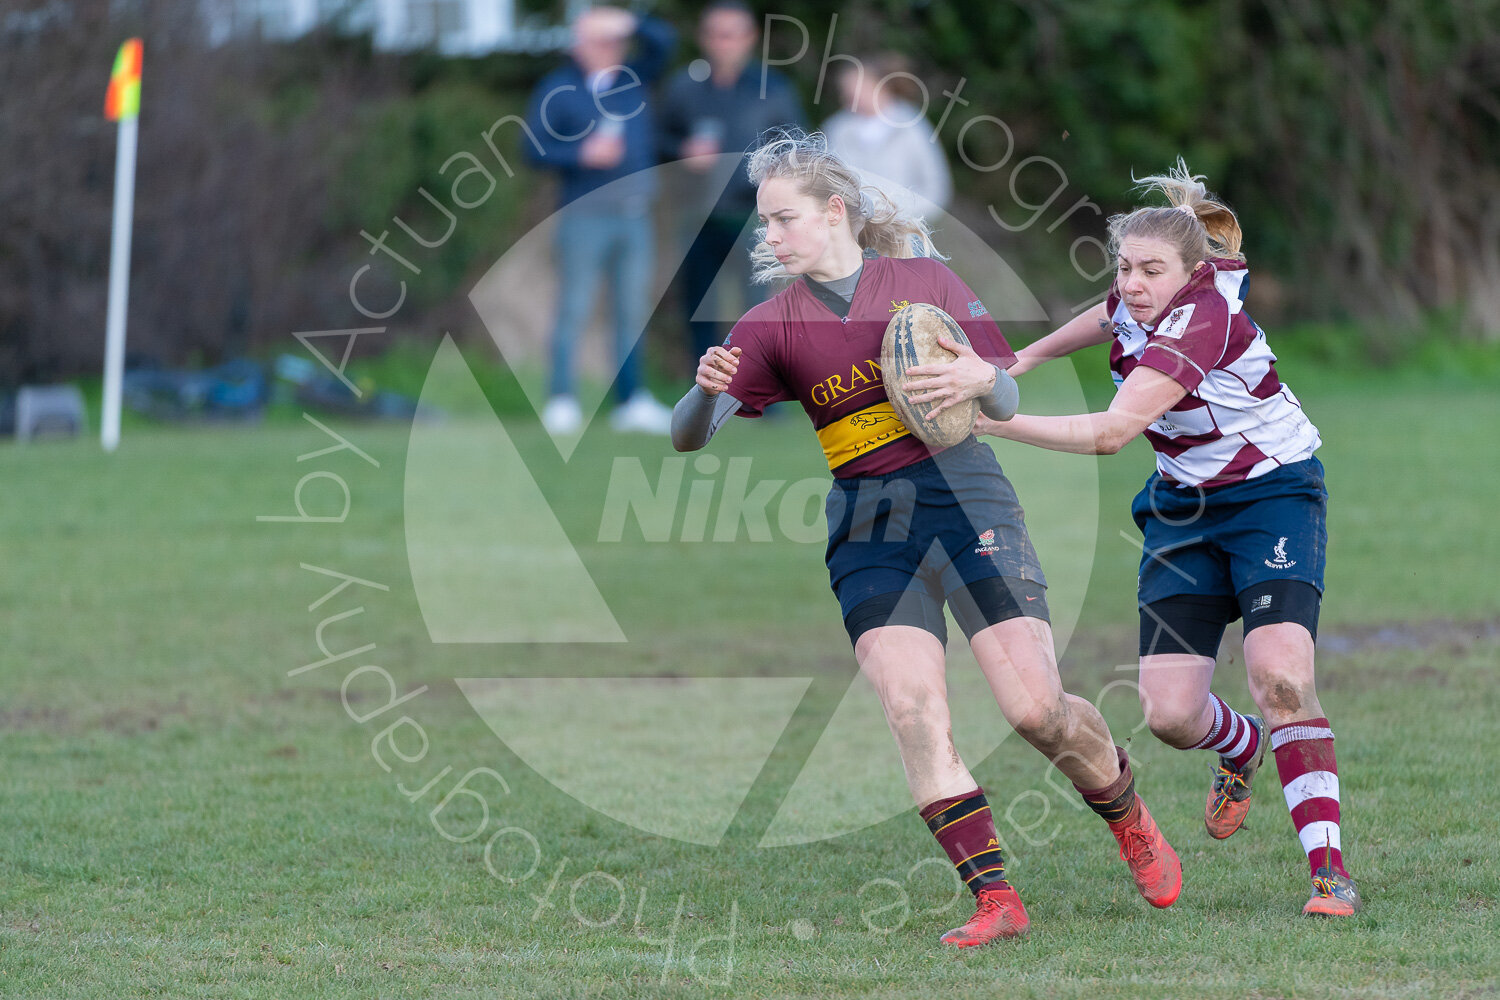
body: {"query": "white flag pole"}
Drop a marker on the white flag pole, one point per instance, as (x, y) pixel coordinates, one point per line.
(119, 284)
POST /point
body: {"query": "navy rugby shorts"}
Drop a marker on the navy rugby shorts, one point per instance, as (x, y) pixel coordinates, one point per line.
(1225, 540)
(948, 529)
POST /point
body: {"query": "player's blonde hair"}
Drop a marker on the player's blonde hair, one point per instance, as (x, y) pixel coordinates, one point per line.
(1198, 225)
(874, 219)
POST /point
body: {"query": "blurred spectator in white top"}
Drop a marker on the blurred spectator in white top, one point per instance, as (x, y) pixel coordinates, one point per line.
(882, 131)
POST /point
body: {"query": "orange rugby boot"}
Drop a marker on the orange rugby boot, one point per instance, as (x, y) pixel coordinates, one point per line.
(1229, 798)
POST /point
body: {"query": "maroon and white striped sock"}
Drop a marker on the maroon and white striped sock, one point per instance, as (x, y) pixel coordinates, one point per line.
(1310, 779)
(1231, 734)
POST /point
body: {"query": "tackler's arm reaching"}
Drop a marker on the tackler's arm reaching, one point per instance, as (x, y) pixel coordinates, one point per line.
(1144, 398)
(1087, 329)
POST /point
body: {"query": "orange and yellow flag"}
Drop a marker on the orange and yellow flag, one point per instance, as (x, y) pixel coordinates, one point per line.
(123, 100)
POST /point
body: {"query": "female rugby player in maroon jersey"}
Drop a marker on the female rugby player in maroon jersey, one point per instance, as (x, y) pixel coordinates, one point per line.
(911, 527)
(1233, 517)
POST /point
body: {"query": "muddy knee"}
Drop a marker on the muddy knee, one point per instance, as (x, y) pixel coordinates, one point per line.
(1045, 726)
(1289, 695)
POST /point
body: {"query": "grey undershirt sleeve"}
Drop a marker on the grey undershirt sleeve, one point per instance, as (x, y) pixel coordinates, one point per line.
(1003, 399)
(697, 416)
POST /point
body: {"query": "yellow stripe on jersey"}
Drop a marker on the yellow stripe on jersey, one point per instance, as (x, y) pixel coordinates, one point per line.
(859, 433)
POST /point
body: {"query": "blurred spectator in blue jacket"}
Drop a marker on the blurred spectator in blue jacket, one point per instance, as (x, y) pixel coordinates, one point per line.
(592, 119)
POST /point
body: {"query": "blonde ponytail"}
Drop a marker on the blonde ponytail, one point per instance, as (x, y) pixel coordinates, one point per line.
(1198, 224)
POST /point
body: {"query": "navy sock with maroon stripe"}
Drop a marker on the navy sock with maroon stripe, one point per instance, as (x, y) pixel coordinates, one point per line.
(965, 829)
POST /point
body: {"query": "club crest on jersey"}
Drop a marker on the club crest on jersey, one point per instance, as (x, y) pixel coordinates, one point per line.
(1279, 559)
(987, 546)
(866, 421)
(1176, 323)
(898, 306)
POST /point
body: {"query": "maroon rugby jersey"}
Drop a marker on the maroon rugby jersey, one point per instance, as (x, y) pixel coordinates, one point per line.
(795, 347)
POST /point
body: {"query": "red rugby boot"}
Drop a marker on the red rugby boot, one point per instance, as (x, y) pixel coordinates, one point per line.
(1000, 915)
(1153, 863)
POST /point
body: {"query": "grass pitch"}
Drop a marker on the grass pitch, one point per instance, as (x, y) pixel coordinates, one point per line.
(180, 817)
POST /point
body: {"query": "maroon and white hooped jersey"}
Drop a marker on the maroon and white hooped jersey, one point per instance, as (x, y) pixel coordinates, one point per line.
(1238, 420)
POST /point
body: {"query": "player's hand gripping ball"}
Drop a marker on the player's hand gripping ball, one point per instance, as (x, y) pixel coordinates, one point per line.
(911, 339)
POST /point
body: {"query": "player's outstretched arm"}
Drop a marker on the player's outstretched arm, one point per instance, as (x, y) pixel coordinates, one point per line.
(705, 407)
(1145, 396)
(1087, 329)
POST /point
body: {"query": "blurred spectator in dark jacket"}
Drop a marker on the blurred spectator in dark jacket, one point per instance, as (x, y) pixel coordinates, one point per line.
(714, 111)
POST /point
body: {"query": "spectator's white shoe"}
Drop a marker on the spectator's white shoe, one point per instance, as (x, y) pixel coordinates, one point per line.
(643, 414)
(562, 416)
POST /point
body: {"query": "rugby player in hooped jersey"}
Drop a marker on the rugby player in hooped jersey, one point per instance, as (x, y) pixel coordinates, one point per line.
(911, 528)
(1233, 517)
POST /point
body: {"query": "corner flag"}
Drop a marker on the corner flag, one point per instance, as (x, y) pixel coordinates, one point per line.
(123, 100)
(122, 104)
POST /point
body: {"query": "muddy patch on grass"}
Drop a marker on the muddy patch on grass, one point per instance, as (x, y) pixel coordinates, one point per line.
(128, 720)
(1433, 636)
(1099, 655)
(1095, 657)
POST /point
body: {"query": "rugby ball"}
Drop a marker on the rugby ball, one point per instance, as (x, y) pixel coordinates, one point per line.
(911, 339)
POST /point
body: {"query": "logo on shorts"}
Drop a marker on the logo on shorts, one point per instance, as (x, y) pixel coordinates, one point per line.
(987, 546)
(1280, 561)
(1261, 603)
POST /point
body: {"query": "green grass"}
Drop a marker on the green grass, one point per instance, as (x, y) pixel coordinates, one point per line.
(182, 818)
